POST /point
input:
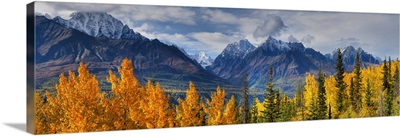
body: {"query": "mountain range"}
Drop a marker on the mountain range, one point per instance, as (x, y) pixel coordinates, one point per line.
(61, 45)
(102, 41)
(290, 60)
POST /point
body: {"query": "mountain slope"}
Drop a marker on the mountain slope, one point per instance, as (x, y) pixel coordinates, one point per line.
(349, 55)
(60, 49)
(230, 56)
(290, 63)
(290, 60)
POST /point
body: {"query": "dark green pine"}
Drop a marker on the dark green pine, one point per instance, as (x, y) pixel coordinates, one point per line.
(340, 84)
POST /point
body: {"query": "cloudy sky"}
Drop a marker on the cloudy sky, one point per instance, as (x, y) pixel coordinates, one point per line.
(211, 29)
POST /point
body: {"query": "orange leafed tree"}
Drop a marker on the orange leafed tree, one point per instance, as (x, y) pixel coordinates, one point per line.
(75, 108)
(230, 115)
(155, 107)
(123, 108)
(189, 110)
(40, 115)
(215, 107)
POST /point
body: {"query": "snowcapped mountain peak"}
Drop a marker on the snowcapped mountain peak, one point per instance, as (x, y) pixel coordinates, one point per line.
(202, 58)
(273, 44)
(350, 49)
(47, 16)
(349, 53)
(99, 24)
(202, 54)
(239, 48)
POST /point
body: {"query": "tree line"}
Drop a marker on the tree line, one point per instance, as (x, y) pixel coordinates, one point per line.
(80, 106)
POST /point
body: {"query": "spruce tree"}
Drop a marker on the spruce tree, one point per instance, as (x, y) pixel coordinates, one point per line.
(278, 100)
(368, 95)
(396, 81)
(245, 100)
(357, 105)
(270, 114)
(370, 105)
(340, 85)
(300, 101)
(396, 87)
(386, 87)
(321, 100)
(285, 108)
(329, 111)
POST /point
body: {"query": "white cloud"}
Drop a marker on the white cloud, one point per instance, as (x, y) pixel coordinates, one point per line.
(291, 38)
(218, 16)
(163, 14)
(378, 31)
(272, 26)
(215, 42)
(308, 39)
(123, 12)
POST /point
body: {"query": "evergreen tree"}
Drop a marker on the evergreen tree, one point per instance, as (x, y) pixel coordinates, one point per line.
(278, 100)
(396, 88)
(287, 108)
(329, 111)
(357, 105)
(340, 85)
(386, 87)
(321, 100)
(270, 114)
(245, 100)
(370, 105)
(300, 102)
(396, 81)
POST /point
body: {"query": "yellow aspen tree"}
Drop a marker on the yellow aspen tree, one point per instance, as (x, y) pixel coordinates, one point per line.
(76, 104)
(331, 94)
(310, 95)
(54, 114)
(230, 112)
(256, 110)
(124, 106)
(215, 107)
(260, 107)
(189, 110)
(40, 116)
(155, 107)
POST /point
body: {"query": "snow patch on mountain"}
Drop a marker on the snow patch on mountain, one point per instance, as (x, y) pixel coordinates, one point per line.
(99, 24)
(202, 58)
(237, 49)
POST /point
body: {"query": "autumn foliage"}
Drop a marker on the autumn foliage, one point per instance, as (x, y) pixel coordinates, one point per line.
(78, 105)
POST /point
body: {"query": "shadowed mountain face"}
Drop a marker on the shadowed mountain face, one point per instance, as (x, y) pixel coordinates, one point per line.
(60, 49)
(349, 55)
(290, 61)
